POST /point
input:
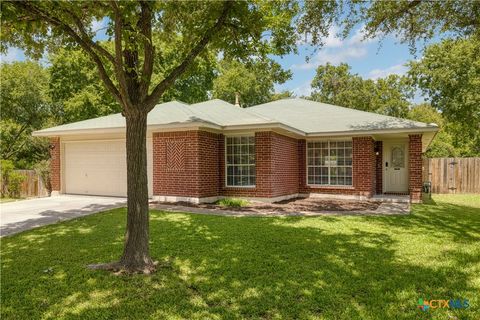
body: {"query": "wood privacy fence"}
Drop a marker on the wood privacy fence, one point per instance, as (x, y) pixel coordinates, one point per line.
(452, 175)
(32, 186)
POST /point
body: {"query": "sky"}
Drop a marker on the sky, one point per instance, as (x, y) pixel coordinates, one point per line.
(371, 59)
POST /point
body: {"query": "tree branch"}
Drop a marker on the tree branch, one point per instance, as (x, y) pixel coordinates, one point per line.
(180, 69)
(31, 7)
(145, 27)
(86, 37)
(120, 72)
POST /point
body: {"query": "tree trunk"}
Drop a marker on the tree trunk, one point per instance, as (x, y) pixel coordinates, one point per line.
(136, 256)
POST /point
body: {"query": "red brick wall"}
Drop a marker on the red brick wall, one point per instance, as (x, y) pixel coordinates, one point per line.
(285, 165)
(55, 163)
(415, 166)
(185, 163)
(364, 174)
(192, 164)
(276, 165)
(379, 167)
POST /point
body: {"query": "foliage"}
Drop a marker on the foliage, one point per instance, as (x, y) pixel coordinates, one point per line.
(449, 74)
(216, 267)
(11, 180)
(337, 85)
(237, 29)
(254, 81)
(42, 168)
(232, 202)
(25, 108)
(408, 21)
(75, 89)
(442, 144)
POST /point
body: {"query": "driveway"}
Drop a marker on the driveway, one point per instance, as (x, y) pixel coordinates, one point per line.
(27, 214)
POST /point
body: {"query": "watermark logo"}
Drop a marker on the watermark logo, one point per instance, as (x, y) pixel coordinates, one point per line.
(425, 305)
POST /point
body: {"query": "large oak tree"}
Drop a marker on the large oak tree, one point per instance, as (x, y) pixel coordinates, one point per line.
(239, 30)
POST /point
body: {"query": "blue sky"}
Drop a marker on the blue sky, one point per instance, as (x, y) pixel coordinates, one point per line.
(370, 58)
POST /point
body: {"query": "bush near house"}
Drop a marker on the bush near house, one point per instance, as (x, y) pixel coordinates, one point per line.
(232, 202)
(11, 181)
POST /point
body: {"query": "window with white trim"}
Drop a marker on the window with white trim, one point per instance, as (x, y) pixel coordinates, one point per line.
(329, 163)
(240, 161)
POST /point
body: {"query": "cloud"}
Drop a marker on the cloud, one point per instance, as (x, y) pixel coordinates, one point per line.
(13, 54)
(98, 24)
(337, 50)
(399, 69)
(304, 89)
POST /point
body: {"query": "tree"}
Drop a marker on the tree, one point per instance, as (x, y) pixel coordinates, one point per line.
(75, 89)
(337, 85)
(237, 29)
(409, 20)
(442, 144)
(254, 81)
(25, 108)
(449, 74)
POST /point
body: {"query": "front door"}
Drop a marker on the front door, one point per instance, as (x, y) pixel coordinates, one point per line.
(395, 166)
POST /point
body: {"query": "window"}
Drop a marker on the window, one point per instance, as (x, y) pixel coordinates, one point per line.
(329, 163)
(240, 161)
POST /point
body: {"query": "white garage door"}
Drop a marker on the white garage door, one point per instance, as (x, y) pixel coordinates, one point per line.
(99, 167)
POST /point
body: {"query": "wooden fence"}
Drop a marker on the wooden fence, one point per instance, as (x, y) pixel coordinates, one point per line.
(32, 186)
(452, 175)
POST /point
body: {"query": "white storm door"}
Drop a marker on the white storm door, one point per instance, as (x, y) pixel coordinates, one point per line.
(395, 166)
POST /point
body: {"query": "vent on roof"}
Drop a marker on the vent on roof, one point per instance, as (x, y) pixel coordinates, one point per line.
(237, 99)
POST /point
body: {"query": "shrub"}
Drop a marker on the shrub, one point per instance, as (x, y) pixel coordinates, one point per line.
(42, 168)
(11, 180)
(232, 202)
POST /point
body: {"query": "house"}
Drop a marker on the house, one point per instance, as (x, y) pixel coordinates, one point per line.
(269, 152)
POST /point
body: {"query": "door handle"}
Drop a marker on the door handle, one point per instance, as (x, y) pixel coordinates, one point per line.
(386, 164)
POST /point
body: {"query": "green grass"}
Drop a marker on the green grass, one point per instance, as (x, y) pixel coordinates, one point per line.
(232, 202)
(214, 267)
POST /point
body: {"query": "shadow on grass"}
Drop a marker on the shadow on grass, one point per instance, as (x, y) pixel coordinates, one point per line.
(237, 268)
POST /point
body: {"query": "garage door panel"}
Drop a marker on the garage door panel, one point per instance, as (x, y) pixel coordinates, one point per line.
(99, 168)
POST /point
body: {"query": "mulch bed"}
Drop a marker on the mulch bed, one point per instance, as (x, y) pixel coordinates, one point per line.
(292, 205)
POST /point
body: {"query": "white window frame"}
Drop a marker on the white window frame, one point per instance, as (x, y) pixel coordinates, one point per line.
(226, 164)
(340, 186)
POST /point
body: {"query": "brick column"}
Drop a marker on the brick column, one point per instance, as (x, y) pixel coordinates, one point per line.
(379, 167)
(415, 167)
(364, 166)
(55, 165)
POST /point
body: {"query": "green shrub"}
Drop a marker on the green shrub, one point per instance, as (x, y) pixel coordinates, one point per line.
(11, 180)
(232, 202)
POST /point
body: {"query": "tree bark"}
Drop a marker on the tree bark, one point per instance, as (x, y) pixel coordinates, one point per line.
(136, 255)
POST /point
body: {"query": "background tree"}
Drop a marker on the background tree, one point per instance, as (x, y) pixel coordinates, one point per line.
(254, 81)
(337, 85)
(449, 75)
(442, 144)
(410, 21)
(25, 107)
(237, 29)
(76, 91)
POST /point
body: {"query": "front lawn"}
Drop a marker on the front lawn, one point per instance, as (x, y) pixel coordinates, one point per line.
(214, 267)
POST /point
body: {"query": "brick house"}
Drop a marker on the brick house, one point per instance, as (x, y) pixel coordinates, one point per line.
(270, 152)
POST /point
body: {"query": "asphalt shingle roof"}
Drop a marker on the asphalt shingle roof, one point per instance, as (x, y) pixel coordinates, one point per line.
(299, 114)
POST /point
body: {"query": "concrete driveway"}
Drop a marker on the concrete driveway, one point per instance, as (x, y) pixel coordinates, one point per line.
(27, 214)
